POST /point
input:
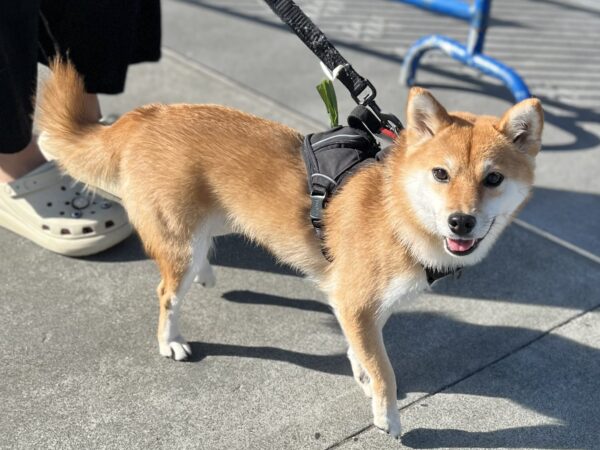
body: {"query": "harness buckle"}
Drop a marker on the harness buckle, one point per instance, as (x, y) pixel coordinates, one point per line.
(317, 203)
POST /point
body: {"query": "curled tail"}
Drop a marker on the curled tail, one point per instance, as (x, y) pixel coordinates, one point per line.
(80, 145)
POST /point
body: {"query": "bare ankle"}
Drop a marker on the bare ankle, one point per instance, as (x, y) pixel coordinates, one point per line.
(92, 107)
(15, 165)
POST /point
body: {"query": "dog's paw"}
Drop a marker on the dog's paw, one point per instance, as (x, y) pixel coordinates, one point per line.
(177, 349)
(206, 277)
(389, 422)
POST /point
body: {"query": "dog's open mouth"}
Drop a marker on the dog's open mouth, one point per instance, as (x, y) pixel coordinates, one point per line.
(461, 247)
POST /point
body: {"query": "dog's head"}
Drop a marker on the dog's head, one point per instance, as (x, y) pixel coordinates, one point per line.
(464, 176)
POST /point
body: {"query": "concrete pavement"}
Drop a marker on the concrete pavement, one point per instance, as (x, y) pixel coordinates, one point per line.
(506, 357)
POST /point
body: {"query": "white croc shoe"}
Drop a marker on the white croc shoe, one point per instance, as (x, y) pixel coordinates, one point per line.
(57, 213)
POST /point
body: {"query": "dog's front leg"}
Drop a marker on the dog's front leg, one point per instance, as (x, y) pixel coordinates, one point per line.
(367, 354)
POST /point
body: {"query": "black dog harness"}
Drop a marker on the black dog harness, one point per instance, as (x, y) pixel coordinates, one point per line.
(331, 157)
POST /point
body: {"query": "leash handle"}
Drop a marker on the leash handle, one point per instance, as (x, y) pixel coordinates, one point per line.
(317, 42)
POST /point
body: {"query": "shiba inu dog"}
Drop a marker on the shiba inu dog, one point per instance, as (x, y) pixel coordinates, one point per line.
(439, 199)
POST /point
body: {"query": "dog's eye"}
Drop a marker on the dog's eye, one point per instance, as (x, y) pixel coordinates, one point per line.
(493, 179)
(440, 175)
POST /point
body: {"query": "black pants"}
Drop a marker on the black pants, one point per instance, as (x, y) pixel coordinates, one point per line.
(101, 37)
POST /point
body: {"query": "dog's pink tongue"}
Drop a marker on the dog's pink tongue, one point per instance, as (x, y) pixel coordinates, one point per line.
(459, 245)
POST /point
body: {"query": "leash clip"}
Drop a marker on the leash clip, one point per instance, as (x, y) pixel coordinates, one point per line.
(369, 98)
(389, 123)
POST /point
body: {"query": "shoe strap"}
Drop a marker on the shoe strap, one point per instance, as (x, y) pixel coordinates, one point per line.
(41, 178)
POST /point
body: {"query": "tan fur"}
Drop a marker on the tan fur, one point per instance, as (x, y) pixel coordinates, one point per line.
(175, 166)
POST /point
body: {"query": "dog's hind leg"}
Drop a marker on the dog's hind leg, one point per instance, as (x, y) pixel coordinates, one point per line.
(215, 225)
(171, 290)
(205, 276)
(180, 260)
(179, 263)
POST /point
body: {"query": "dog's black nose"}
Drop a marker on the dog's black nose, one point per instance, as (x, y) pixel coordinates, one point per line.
(461, 224)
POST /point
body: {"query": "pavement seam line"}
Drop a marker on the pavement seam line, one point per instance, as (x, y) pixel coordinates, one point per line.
(551, 237)
(215, 74)
(473, 372)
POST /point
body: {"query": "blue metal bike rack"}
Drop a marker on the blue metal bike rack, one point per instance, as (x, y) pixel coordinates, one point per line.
(477, 14)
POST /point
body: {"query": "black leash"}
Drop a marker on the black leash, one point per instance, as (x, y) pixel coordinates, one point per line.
(317, 42)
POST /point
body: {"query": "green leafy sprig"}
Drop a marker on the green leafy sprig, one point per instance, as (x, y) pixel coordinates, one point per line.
(327, 93)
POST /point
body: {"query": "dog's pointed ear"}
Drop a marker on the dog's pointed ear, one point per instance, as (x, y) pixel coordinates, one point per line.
(425, 117)
(523, 124)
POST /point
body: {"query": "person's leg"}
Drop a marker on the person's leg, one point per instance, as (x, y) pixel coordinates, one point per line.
(36, 200)
(18, 70)
(15, 165)
(19, 153)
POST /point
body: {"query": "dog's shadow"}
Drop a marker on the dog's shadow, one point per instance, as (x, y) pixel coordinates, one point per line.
(230, 251)
(131, 249)
(553, 380)
(540, 436)
(333, 364)
(432, 352)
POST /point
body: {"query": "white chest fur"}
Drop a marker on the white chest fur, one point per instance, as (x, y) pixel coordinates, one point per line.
(400, 288)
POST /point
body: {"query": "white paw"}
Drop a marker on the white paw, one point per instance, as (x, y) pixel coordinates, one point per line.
(389, 422)
(206, 277)
(177, 349)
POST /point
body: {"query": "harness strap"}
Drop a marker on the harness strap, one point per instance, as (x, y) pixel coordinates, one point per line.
(331, 158)
(319, 199)
(434, 274)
